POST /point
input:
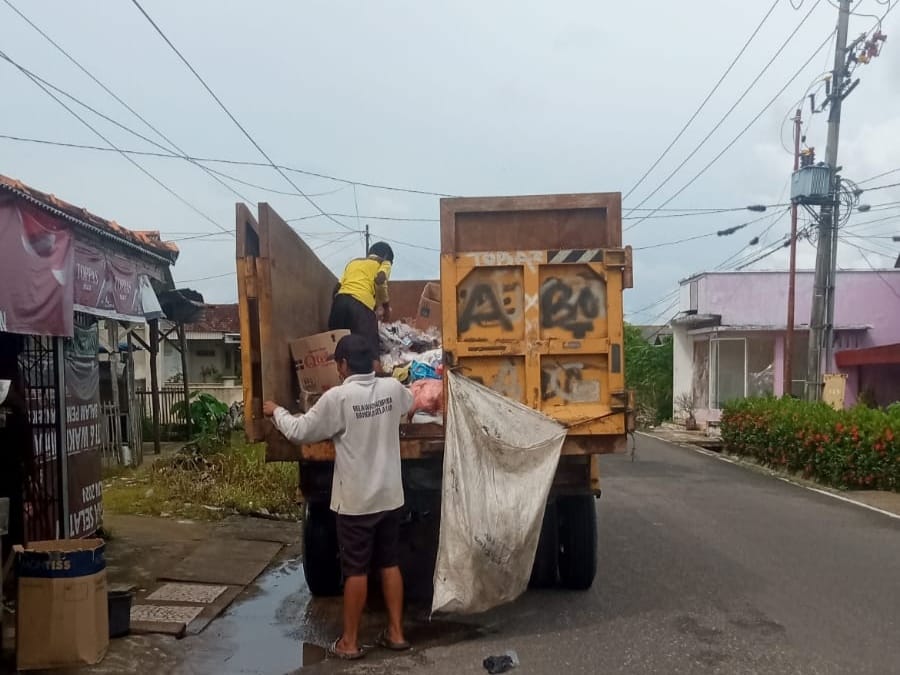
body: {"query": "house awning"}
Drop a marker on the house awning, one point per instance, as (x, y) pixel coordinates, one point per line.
(869, 356)
(693, 321)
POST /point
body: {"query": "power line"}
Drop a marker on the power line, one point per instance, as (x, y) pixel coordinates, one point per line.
(885, 253)
(350, 215)
(407, 244)
(855, 226)
(676, 212)
(234, 119)
(742, 132)
(162, 155)
(880, 175)
(724, 262)
(663, 299)
(156, 180)
(117, 98)
(215, 276)
(875, 269)
(233, 162)
(728, 231)
(732, 108)
(704, 102)
(882, 187)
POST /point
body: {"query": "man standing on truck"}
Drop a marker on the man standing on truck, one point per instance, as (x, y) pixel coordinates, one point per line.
(362, 289)
(362, 416)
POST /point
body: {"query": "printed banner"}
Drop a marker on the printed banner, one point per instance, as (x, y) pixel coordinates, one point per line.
(83, 431)
(36, 274)
(106, 284)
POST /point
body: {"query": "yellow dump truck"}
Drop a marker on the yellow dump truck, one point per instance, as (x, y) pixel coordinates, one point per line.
(531, 306)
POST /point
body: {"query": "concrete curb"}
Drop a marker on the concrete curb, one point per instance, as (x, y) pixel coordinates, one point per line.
(774, 474)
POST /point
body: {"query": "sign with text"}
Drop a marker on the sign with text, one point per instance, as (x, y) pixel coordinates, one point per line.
(83, 431)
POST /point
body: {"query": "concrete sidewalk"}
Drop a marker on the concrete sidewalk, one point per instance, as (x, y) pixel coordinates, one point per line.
(185, 573)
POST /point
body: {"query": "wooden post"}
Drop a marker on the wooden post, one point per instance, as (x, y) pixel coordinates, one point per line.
(135, 414)
(154, 382)
(112, 333)
(792, 274)
(182, 342)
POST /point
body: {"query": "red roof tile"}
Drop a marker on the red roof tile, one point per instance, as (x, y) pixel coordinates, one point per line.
(217, 319)
(149, 240)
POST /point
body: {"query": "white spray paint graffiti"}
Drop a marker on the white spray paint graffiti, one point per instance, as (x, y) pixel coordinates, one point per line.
(566, 382)
(506, 382)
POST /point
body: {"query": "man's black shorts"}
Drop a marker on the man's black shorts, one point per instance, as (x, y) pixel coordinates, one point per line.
(348, 313)
(368, 542)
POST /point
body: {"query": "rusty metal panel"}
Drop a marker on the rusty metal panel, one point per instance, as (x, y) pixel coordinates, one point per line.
(543, 326)
(284, 292)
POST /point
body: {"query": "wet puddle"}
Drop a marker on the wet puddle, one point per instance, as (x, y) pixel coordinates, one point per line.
(277, 627)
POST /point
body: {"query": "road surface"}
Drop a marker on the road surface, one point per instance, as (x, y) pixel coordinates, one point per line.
(705, 567)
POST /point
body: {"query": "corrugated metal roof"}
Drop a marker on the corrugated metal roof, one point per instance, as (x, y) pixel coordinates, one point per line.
(149, 242)
(217, 319)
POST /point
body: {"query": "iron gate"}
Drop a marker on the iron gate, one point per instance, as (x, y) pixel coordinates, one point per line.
(40, 364)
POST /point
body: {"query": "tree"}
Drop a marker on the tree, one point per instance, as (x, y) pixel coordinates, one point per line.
(648, 371)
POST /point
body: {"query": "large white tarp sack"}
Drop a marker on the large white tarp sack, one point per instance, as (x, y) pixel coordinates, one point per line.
(499, 461)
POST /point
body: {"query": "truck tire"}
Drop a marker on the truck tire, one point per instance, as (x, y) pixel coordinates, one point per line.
(544, 570)
(577, 541)
(321, 561)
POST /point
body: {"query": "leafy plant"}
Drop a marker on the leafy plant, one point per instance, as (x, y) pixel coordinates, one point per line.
(856, 448)
(205, 412)
(648, 371)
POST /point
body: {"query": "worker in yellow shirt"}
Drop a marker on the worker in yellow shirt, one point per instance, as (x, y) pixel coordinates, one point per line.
(362, 289)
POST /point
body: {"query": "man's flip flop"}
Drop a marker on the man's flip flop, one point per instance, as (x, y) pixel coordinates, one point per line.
(346, 656)
(383, 641)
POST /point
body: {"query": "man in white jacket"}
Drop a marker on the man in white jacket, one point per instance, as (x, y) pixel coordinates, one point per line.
(363, 418)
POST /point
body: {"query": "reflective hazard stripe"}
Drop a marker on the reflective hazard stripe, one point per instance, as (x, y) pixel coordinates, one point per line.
(576, 255)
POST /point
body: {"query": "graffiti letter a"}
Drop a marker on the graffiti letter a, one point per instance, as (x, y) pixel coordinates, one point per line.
(482, 307)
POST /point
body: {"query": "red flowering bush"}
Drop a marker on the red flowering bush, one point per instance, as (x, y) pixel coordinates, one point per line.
(857, 448)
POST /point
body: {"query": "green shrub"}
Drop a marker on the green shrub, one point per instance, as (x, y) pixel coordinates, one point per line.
(648, 371)
(856, 448)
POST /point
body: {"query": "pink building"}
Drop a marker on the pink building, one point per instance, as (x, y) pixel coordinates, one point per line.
(729, 337)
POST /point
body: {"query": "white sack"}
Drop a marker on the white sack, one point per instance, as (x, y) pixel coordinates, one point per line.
(499, 461)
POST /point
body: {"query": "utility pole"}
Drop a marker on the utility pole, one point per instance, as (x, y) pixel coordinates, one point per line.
(821, 329)
(792, 275)
(368, 239)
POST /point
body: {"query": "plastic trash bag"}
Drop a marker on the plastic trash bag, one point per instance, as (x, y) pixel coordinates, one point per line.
(428, 396)
(422, 371)
(499, 461)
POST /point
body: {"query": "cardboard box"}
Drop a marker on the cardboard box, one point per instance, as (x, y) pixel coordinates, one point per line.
(313, 360)
(62, 609)
(307, 401)
(429, 315)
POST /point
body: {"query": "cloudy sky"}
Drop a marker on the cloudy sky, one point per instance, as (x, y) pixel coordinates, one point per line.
(463, 97)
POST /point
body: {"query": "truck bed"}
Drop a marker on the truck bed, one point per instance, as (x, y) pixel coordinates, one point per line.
(571, 368)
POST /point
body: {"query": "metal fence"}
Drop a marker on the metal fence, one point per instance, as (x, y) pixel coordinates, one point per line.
(40, 363)
(172, 425)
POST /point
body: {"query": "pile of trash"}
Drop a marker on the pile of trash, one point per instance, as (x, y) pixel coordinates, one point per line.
(415, 358)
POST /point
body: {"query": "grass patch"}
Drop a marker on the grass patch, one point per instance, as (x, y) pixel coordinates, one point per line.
(207, 485)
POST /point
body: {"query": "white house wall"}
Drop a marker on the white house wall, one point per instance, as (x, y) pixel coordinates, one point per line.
(682, 364)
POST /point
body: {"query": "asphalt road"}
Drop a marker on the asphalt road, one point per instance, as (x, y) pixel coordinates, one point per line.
(705, 567)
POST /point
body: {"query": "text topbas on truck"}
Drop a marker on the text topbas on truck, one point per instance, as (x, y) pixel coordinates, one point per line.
(530, 305)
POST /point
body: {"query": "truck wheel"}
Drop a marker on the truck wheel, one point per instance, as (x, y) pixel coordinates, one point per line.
(543, 573)
(577, 541)
(321, 563)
